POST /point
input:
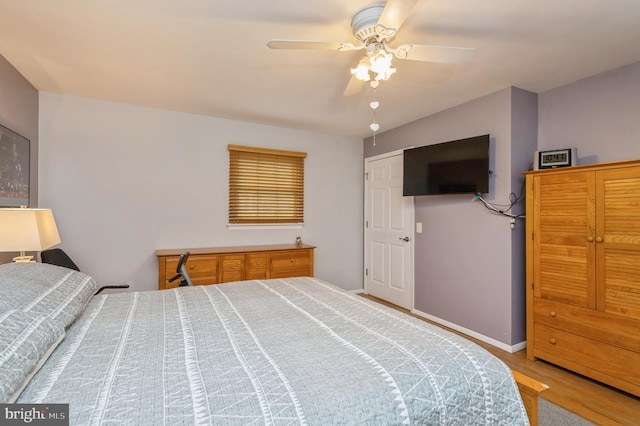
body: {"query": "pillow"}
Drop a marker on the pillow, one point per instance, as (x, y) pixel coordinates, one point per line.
(47, 290)
(26, 341)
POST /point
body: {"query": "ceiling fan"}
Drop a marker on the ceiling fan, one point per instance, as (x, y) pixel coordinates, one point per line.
(373, 29)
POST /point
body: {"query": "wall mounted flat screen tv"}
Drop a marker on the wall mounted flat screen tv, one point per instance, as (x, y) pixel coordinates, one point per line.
(456, 167)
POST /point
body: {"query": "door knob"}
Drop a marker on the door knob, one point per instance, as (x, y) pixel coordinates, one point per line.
(406, 239)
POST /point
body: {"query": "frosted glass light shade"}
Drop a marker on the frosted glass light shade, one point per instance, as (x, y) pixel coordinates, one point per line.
(381, 65)
(361, 72)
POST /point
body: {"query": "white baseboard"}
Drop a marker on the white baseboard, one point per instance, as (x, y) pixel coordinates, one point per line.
(358, 291)
(511, 349)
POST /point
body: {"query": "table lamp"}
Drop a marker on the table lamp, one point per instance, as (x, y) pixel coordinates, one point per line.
(23, 229)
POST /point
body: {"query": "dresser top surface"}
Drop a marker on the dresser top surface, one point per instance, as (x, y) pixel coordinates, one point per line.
(232, 249)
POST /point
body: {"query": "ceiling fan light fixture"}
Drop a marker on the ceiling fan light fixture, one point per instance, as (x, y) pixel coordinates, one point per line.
(381, 65)
(361, 72)
(384, 75)
(374, 28)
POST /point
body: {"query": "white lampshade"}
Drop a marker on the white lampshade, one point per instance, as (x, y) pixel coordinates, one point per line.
(27, 230)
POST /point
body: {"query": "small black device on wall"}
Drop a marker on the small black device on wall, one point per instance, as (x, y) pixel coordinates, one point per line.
(565, 157)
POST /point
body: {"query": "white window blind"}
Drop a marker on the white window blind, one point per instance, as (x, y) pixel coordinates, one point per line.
(265, 185)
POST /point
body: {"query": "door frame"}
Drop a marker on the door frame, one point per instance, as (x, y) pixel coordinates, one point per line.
(412, 271)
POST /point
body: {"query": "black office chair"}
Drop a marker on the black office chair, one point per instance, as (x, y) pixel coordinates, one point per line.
(58, 257)
(181, 271)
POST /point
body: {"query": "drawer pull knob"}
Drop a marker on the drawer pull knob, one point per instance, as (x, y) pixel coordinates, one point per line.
(552, 313)
(552, 341)
(590, 239)
(599, 239)
(190, 266)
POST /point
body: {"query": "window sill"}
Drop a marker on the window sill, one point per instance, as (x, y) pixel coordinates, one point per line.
(249, 227)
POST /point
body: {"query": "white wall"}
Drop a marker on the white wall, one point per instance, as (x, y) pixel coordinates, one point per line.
(124, 181)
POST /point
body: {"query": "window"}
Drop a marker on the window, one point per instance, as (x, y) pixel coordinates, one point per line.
(266, 186)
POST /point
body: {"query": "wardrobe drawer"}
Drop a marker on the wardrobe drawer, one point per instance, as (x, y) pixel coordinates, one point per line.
(601, 326)
(610, 364)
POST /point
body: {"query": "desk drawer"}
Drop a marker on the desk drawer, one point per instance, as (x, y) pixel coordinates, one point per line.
(202, 269)
(294, 263)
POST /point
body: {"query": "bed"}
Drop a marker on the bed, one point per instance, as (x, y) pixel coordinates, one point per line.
(284, 351)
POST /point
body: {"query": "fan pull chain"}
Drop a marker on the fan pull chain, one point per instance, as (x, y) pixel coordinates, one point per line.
(374, 106)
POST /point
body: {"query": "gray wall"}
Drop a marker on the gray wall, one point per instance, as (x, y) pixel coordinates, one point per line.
(524, 140)
(19, 112)
(599, 115)
(465, 262)
(125, 180)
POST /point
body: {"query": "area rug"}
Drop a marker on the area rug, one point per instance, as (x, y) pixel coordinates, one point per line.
(550, 414)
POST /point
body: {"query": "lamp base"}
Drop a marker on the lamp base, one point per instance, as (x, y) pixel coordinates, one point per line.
(24, 259)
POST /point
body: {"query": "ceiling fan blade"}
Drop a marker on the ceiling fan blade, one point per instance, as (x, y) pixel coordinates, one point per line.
(396, 12)
(442, 54)
(309, 44)
(353, 87)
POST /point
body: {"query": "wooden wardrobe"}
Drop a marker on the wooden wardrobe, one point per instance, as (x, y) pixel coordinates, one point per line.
(583, 270)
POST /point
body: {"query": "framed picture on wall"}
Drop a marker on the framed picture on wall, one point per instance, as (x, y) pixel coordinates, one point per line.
(14, 169)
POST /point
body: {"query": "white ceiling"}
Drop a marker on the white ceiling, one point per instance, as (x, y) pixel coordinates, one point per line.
(210, 56)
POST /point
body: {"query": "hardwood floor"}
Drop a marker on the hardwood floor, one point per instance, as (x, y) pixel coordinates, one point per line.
(594, 401)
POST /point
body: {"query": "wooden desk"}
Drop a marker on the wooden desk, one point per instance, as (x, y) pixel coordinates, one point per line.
(215, 265)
